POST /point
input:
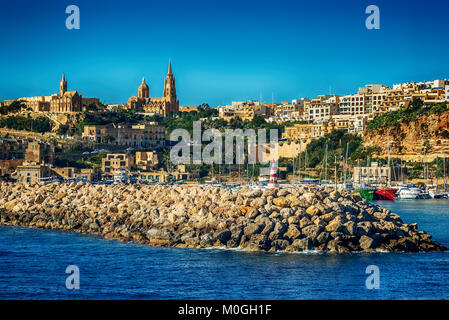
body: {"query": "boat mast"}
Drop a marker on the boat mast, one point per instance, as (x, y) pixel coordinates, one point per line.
(346, 161)
(436, 177)
(253, 174)
(299, 160)
(444, 172)
(293, 170)
(360, 173)
(335, 172)
(305, 163)
(389, 168)
(325, 164)
(240, 182)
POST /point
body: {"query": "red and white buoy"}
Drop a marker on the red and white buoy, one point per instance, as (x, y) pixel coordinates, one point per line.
(273, 183)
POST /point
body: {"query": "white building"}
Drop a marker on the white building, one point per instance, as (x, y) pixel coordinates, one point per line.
(293, 111)
(352, 104)
(322, 108)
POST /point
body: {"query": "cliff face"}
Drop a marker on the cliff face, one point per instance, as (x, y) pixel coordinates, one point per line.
(411, 140)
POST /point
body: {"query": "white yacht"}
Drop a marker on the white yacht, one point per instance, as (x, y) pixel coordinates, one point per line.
(437, 195)
(412, 193)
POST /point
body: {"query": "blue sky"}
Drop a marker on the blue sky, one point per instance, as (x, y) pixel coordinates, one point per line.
(221, 50)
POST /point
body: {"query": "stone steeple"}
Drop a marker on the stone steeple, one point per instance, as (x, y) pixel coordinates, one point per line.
(169, 85)
(169, 67)
(63, 85)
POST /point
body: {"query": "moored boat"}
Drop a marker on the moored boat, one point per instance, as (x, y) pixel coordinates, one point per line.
(412, 193)
(366, 193)
(437, 195)
(385, 194)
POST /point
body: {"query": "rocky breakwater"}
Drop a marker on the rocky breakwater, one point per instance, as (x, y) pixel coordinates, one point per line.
(296, 219)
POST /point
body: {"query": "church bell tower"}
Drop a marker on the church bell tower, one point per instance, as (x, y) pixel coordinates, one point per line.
(62, 85)
(169, 85)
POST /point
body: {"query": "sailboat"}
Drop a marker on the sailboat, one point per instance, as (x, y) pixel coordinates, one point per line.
(434, 193)
(387, 193)
(377, 193)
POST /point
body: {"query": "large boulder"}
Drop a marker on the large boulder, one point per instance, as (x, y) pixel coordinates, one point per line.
(366, 243)
(303, 244)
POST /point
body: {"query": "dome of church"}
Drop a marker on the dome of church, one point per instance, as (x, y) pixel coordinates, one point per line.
(143, 84)
(144, 90)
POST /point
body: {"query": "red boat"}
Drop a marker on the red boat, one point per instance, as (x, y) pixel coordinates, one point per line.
(385, 194)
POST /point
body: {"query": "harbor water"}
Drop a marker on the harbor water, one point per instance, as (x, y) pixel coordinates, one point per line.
(33, 264)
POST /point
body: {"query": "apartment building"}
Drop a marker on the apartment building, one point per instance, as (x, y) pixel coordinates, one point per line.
(350, 123)
(298, 132)
(287, 111)
(394, 99)
(245, 110)
(32, 173)
(374, 95)
(116, 161)
(322, 108)
(304, 132)
(139, 136)
(353, 104)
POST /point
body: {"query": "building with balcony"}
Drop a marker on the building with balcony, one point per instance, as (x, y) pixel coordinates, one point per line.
(148, 135)
(353, 104)
(116, 161)
(322, 108)
(245, 110)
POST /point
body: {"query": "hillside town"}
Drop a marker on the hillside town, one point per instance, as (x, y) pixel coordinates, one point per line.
(65, 136)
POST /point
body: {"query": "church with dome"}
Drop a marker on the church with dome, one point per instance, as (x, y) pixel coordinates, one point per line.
(163, 105)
